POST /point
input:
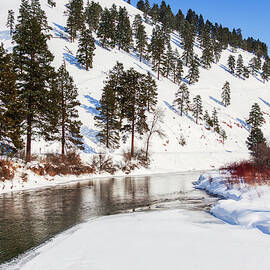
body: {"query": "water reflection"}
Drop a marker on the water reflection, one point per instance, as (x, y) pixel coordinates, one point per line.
(29, 218)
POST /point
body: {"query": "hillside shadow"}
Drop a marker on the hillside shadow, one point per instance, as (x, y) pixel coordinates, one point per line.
(244, 124)
(4, 35)
(90, 134)
(72, 60)
(265, 102)
(217, 101)
(226, 69)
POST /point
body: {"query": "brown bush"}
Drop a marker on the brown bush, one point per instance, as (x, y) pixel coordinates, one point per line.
(104, 163)
(7, 170)
(54, 164)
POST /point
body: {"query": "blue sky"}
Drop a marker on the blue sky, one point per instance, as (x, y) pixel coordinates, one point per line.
(249, 15)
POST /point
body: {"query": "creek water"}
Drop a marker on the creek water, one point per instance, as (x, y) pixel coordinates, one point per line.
(29, 218)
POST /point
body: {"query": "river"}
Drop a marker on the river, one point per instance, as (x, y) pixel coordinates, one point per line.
(29, 218)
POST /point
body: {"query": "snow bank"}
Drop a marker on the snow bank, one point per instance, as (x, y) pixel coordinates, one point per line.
(174, 240)
(242, 205)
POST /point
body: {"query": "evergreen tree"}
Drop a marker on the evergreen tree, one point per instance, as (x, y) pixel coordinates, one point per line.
(226, 94)
(93, 13)
(151, 92)
(207, 54)
(256, 118)
(32, 59)
(255, 65)
(10, 21)
(240, 66)
(193, 73)
(157, 48)
(66, 112)
(112, 108)
(141, 41)
(168, 62)
(51, 3)
(146, 10)
(207, 119)
(188, 36)
(154, 13)
(178, 69)
(123, 30)
(140, 5)
(182, 99)
(136, 23)
(107, 28)
(266, 70)
(246, 72)
(217, 49)
(215, 121)
(86, 49)
(197, 108)
(231, 63)
(135, 108)
(11, 113)
(75, 20)
(255, 138)
(223, 135)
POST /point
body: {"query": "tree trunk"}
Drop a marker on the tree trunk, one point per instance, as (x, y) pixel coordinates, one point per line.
(29, 138)
(132, 134)
(63, 139)
(147, 147)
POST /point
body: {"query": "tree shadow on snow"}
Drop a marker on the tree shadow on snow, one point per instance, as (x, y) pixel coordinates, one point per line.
(72, 60)
(217, 101)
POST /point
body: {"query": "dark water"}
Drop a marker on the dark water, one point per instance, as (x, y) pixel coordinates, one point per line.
(29, 218)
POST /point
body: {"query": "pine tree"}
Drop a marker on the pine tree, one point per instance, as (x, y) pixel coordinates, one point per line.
(112, 108)
(223, 135)
(240, 66)
(255, 65)
(182, 99)
(246, 72)
(140, 5)
(208, 119)
(75, 20)
(93, 13)
(86, 49)
(207, 55)
(266, 70)
(66, 112)
(255, 138)
(168, 62)
(188, 36)
(256, 118)
(141, 41)
(10, 21)
(136, 23)
(154, 13)
(197, 108)
(51, 3)
(32, 59)
(151, 92)
(157, 48)
(193, 73)
(231, 63)
(226, 94)
(146, 10)
(135, 108)
(11, 113)
(178, 69)
(107, 28)
(123, 31)
(215, 121)
(217, 49)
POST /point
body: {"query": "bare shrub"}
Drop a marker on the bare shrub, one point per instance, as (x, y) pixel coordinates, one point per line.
(7, 170)
(104, 163)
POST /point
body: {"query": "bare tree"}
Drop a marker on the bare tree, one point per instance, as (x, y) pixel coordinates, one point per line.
(154, 128)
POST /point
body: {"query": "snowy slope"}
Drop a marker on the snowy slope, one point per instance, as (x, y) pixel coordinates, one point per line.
(204, 148)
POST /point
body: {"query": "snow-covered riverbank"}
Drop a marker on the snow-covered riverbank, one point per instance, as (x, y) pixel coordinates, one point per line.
(176, 239)
(242, 205)
(161, 163)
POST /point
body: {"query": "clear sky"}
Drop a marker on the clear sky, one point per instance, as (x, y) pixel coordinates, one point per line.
(253, 17)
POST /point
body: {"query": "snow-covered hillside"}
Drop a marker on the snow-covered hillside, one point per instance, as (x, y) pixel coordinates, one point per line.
(204, 148)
